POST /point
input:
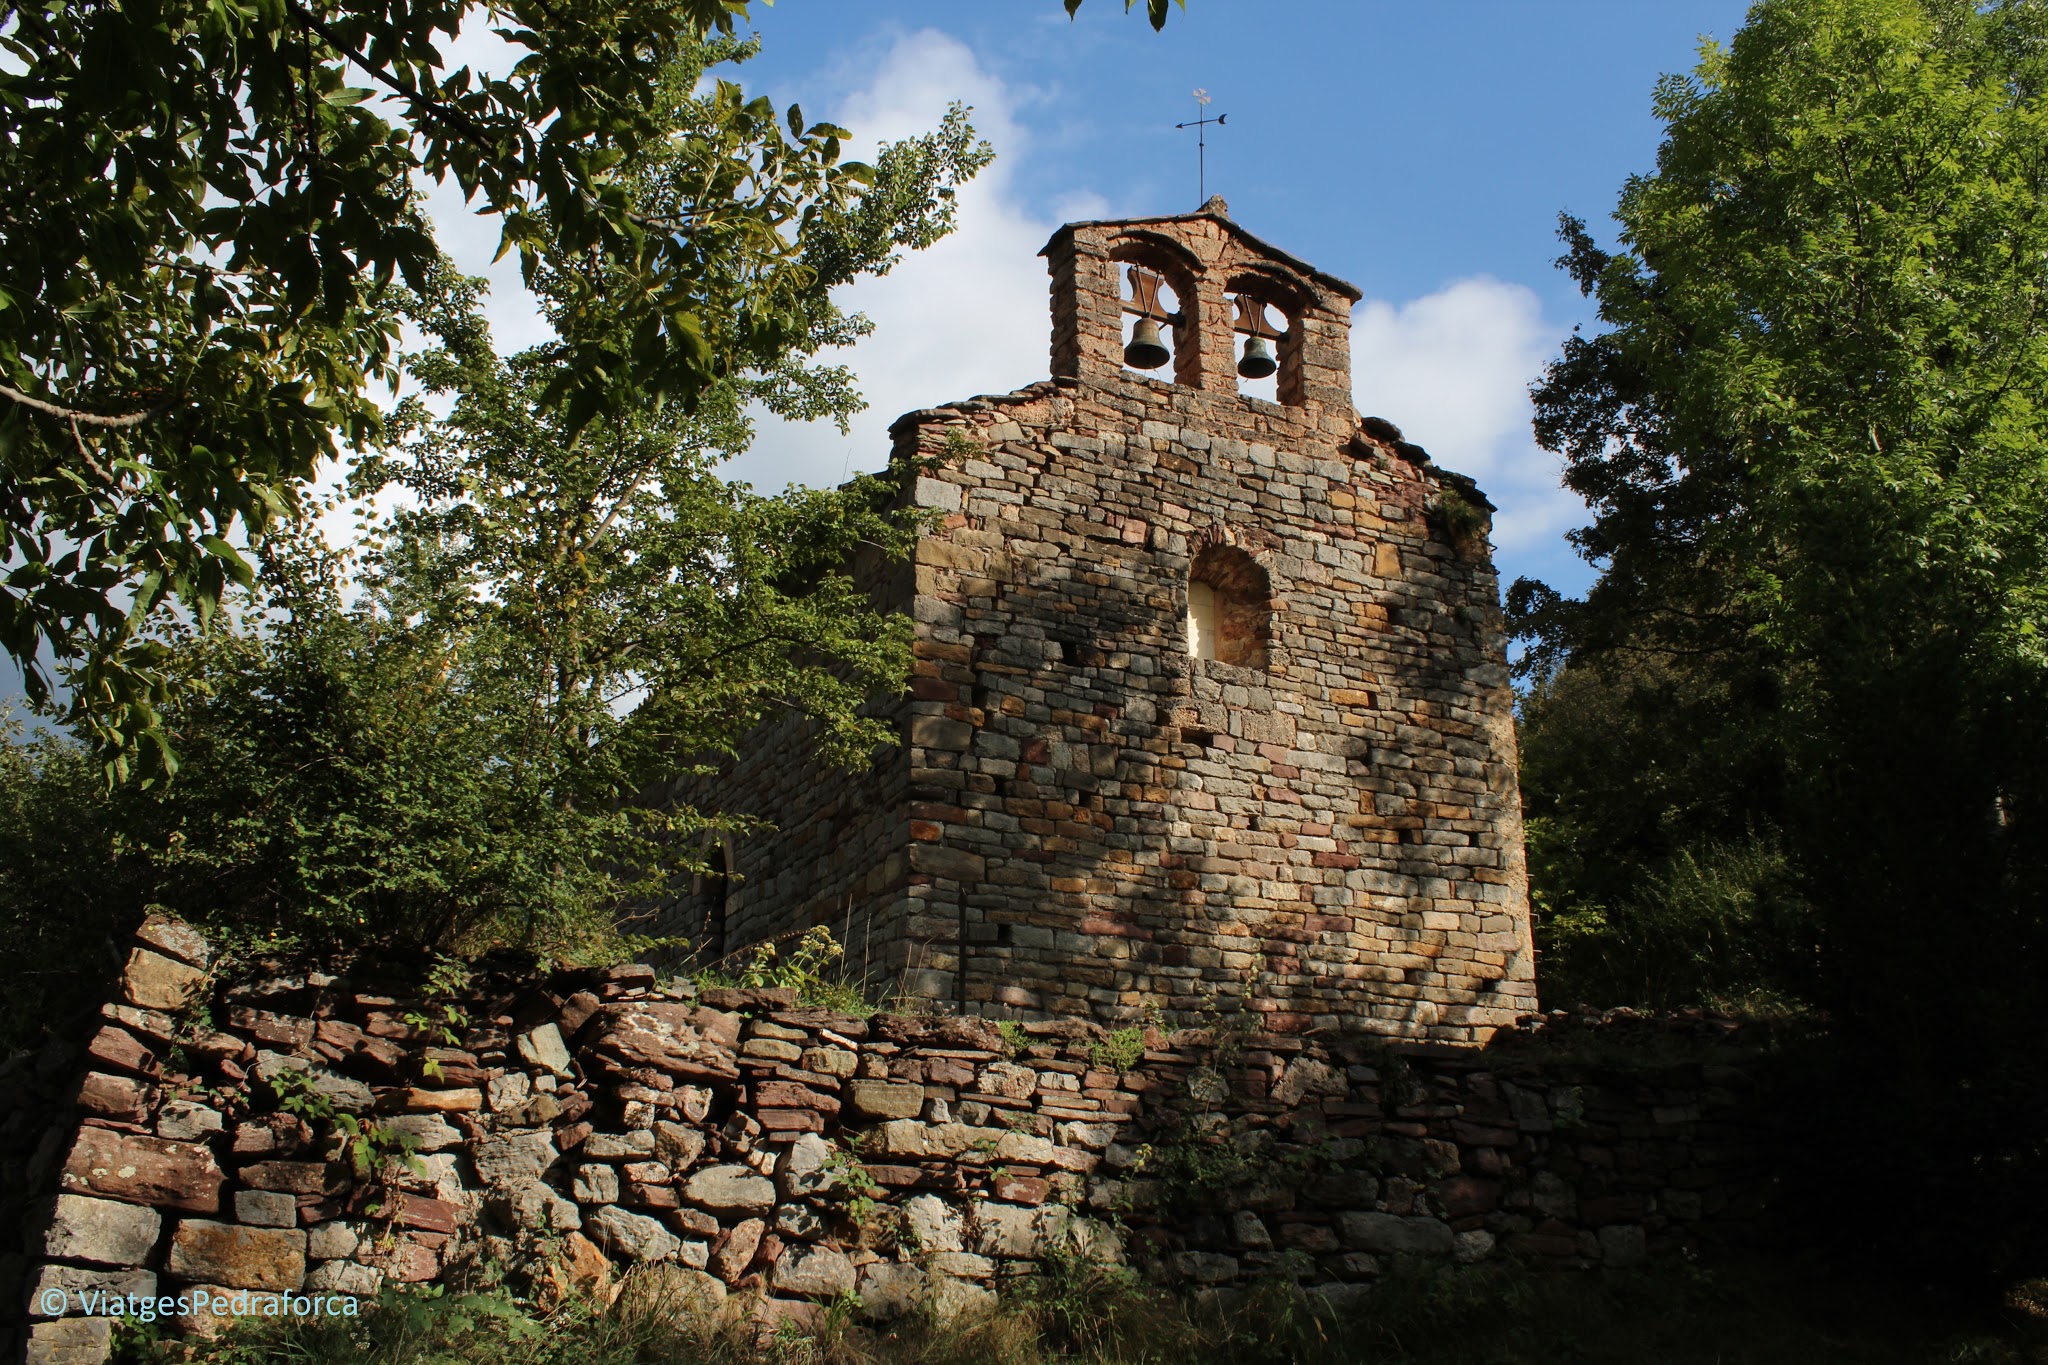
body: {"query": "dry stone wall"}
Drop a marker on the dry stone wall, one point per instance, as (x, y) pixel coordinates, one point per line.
(764, 1158)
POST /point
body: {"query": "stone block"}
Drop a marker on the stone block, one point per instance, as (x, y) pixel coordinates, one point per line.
(421, 1100)
(509, 1158)
(1391, 1234)
(307, 1178)
(933, 1225)
(678, 1144)
(204, 1252)
(1623, 1244)
(426, 1132)
(1473, 1245)
(620, 1146)
(116, 1049)
(595, 1184)
(1008, 1080)
(890, 1289)
(630, 1236)
(730, 1189)
(95, 1230)
(156, 982)
(509, 1091)
(84, 1290)
(70, 1341)
(543, 1047)
(950, 1299)
(344, 1277)
(175, 938)
(331, 1241)
(1203, 1267)
(953, 864)
(123, 1099)
(734, 1250)
(1008, 1230)
(670, 1293)
(813, 1272)
(345, 1093)
(877, 1099)
(685, 1041)
(142, 1170)
(187, 1121)
(828, 1061)
(266, 1209)
(160, 1028)
(1025, 1149)
(533, 1205)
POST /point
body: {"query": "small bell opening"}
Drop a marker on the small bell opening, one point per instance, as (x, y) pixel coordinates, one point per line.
(1149, 303)
(1258, 326)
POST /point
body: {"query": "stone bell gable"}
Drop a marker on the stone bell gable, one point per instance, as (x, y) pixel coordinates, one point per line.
(1210, 701)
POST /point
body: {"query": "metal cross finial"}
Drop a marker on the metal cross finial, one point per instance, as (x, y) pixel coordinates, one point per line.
(1201, 127)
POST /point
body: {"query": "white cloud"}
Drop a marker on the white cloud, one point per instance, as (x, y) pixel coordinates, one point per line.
(1452, 370)
(967, 316)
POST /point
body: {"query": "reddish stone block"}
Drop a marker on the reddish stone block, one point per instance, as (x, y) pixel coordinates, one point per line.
(1466, 1195)
(576, 1012)
(143, 1170)
(295, 1177)
(284, 1031)
(119, 1050)
(407, 1210)
(120, 1098)
(641, 1195)
(1016, 1189)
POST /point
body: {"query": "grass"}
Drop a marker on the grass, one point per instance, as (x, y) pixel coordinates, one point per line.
(1755, 1313)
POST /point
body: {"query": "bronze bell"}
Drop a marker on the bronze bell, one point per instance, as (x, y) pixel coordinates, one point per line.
(1257, 361)
(1145, 351)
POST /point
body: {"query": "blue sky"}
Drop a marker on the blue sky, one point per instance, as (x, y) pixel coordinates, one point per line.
(1421, 151)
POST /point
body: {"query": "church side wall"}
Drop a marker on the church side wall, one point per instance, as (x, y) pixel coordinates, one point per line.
(833, 852)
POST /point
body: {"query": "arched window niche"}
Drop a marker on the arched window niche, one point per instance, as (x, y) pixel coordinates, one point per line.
(1230, 608)
(1265, 321)
(1156, 286)
(1260, 332)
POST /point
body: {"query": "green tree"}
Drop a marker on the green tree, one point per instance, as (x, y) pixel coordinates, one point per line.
(210, 207)
(1811, 431)
(1653, 805)
(456, 733)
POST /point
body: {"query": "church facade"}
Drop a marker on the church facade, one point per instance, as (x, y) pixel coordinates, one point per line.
(1210, 702)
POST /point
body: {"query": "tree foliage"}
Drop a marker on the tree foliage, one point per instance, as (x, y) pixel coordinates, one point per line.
(1155, 10)
(1812, 433)
(1813, 438)
(460, 730)
(211, 211)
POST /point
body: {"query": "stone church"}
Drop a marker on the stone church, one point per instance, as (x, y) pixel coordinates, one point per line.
(1210, 704)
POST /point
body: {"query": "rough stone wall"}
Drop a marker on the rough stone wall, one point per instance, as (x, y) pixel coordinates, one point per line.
(583, 1124)
(836, 855)
(1099, 825)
